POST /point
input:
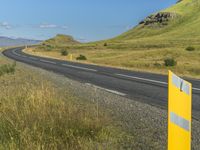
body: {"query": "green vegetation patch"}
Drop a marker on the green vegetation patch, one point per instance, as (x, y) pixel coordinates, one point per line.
(64, 52)
(170, 62)
(81, 57)
(7, 68)
(190, 48)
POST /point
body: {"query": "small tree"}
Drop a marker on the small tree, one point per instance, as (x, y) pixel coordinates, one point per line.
(64, 52)
(105, 44)
(190, 48)
(81, 57)
(169, 62)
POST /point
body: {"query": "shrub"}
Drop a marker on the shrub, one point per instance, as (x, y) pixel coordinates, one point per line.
(47, 47)
(8, 68)
(81, 57)
(190, 48)
(105, 44)
(64, 52)
(169, 62)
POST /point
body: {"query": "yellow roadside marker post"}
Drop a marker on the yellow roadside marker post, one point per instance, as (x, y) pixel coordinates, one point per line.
(179, 113)
(71, 57)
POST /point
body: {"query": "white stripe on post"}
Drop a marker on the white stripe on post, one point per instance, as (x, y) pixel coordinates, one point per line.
(180, 121)
(181, 84)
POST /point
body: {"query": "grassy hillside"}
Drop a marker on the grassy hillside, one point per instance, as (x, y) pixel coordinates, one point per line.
(183, 26)
(169, 33)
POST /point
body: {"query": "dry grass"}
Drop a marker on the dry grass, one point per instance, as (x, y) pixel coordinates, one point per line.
(35, 114)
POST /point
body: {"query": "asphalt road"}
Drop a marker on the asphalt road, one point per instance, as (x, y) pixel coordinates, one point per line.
(144, 87)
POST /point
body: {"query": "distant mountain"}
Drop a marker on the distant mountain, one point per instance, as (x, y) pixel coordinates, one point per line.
(5, 41)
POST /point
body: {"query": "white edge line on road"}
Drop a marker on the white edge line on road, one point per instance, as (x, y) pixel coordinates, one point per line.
(77, 67)
(149, 80)
(196, 89)
(46, 61)
(108, 90)
(144, 79)
(14, 52)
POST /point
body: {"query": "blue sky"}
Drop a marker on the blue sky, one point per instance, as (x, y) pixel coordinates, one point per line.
(86, 20)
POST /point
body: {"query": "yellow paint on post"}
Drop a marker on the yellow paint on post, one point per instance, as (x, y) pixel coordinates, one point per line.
(179, 113)
(71, 57)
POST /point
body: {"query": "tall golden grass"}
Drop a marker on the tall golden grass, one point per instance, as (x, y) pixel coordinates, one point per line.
(36, 114)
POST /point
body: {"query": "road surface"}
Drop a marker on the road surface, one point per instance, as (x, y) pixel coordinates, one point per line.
(145, 87)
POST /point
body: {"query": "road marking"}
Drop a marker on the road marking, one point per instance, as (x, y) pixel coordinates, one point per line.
(108, 90)
(14, 52)
(46, 61)
(196, 89)
(144, 79)
(149, 80)
(77, 67)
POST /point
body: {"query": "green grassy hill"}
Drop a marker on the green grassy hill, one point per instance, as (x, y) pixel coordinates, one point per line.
(61, 40)
(171, 33)
(182, 25)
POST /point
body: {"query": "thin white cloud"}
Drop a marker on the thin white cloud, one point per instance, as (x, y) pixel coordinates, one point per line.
(52, 26)
(48, 26)
(5, 25)
(64, 27)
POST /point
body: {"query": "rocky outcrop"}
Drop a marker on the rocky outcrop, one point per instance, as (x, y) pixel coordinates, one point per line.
(161, 18)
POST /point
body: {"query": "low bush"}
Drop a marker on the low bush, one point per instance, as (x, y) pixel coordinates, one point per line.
(190, 48)
(7, 68)
(64, 52)
(169, 62)
(81, 57)
(48, 48)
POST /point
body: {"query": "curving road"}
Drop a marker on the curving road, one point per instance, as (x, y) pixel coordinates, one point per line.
(144, 87)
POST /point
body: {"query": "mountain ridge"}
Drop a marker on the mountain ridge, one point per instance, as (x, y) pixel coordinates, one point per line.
(7, 41)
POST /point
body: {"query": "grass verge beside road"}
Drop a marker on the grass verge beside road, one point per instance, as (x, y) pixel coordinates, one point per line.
(35, 114)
